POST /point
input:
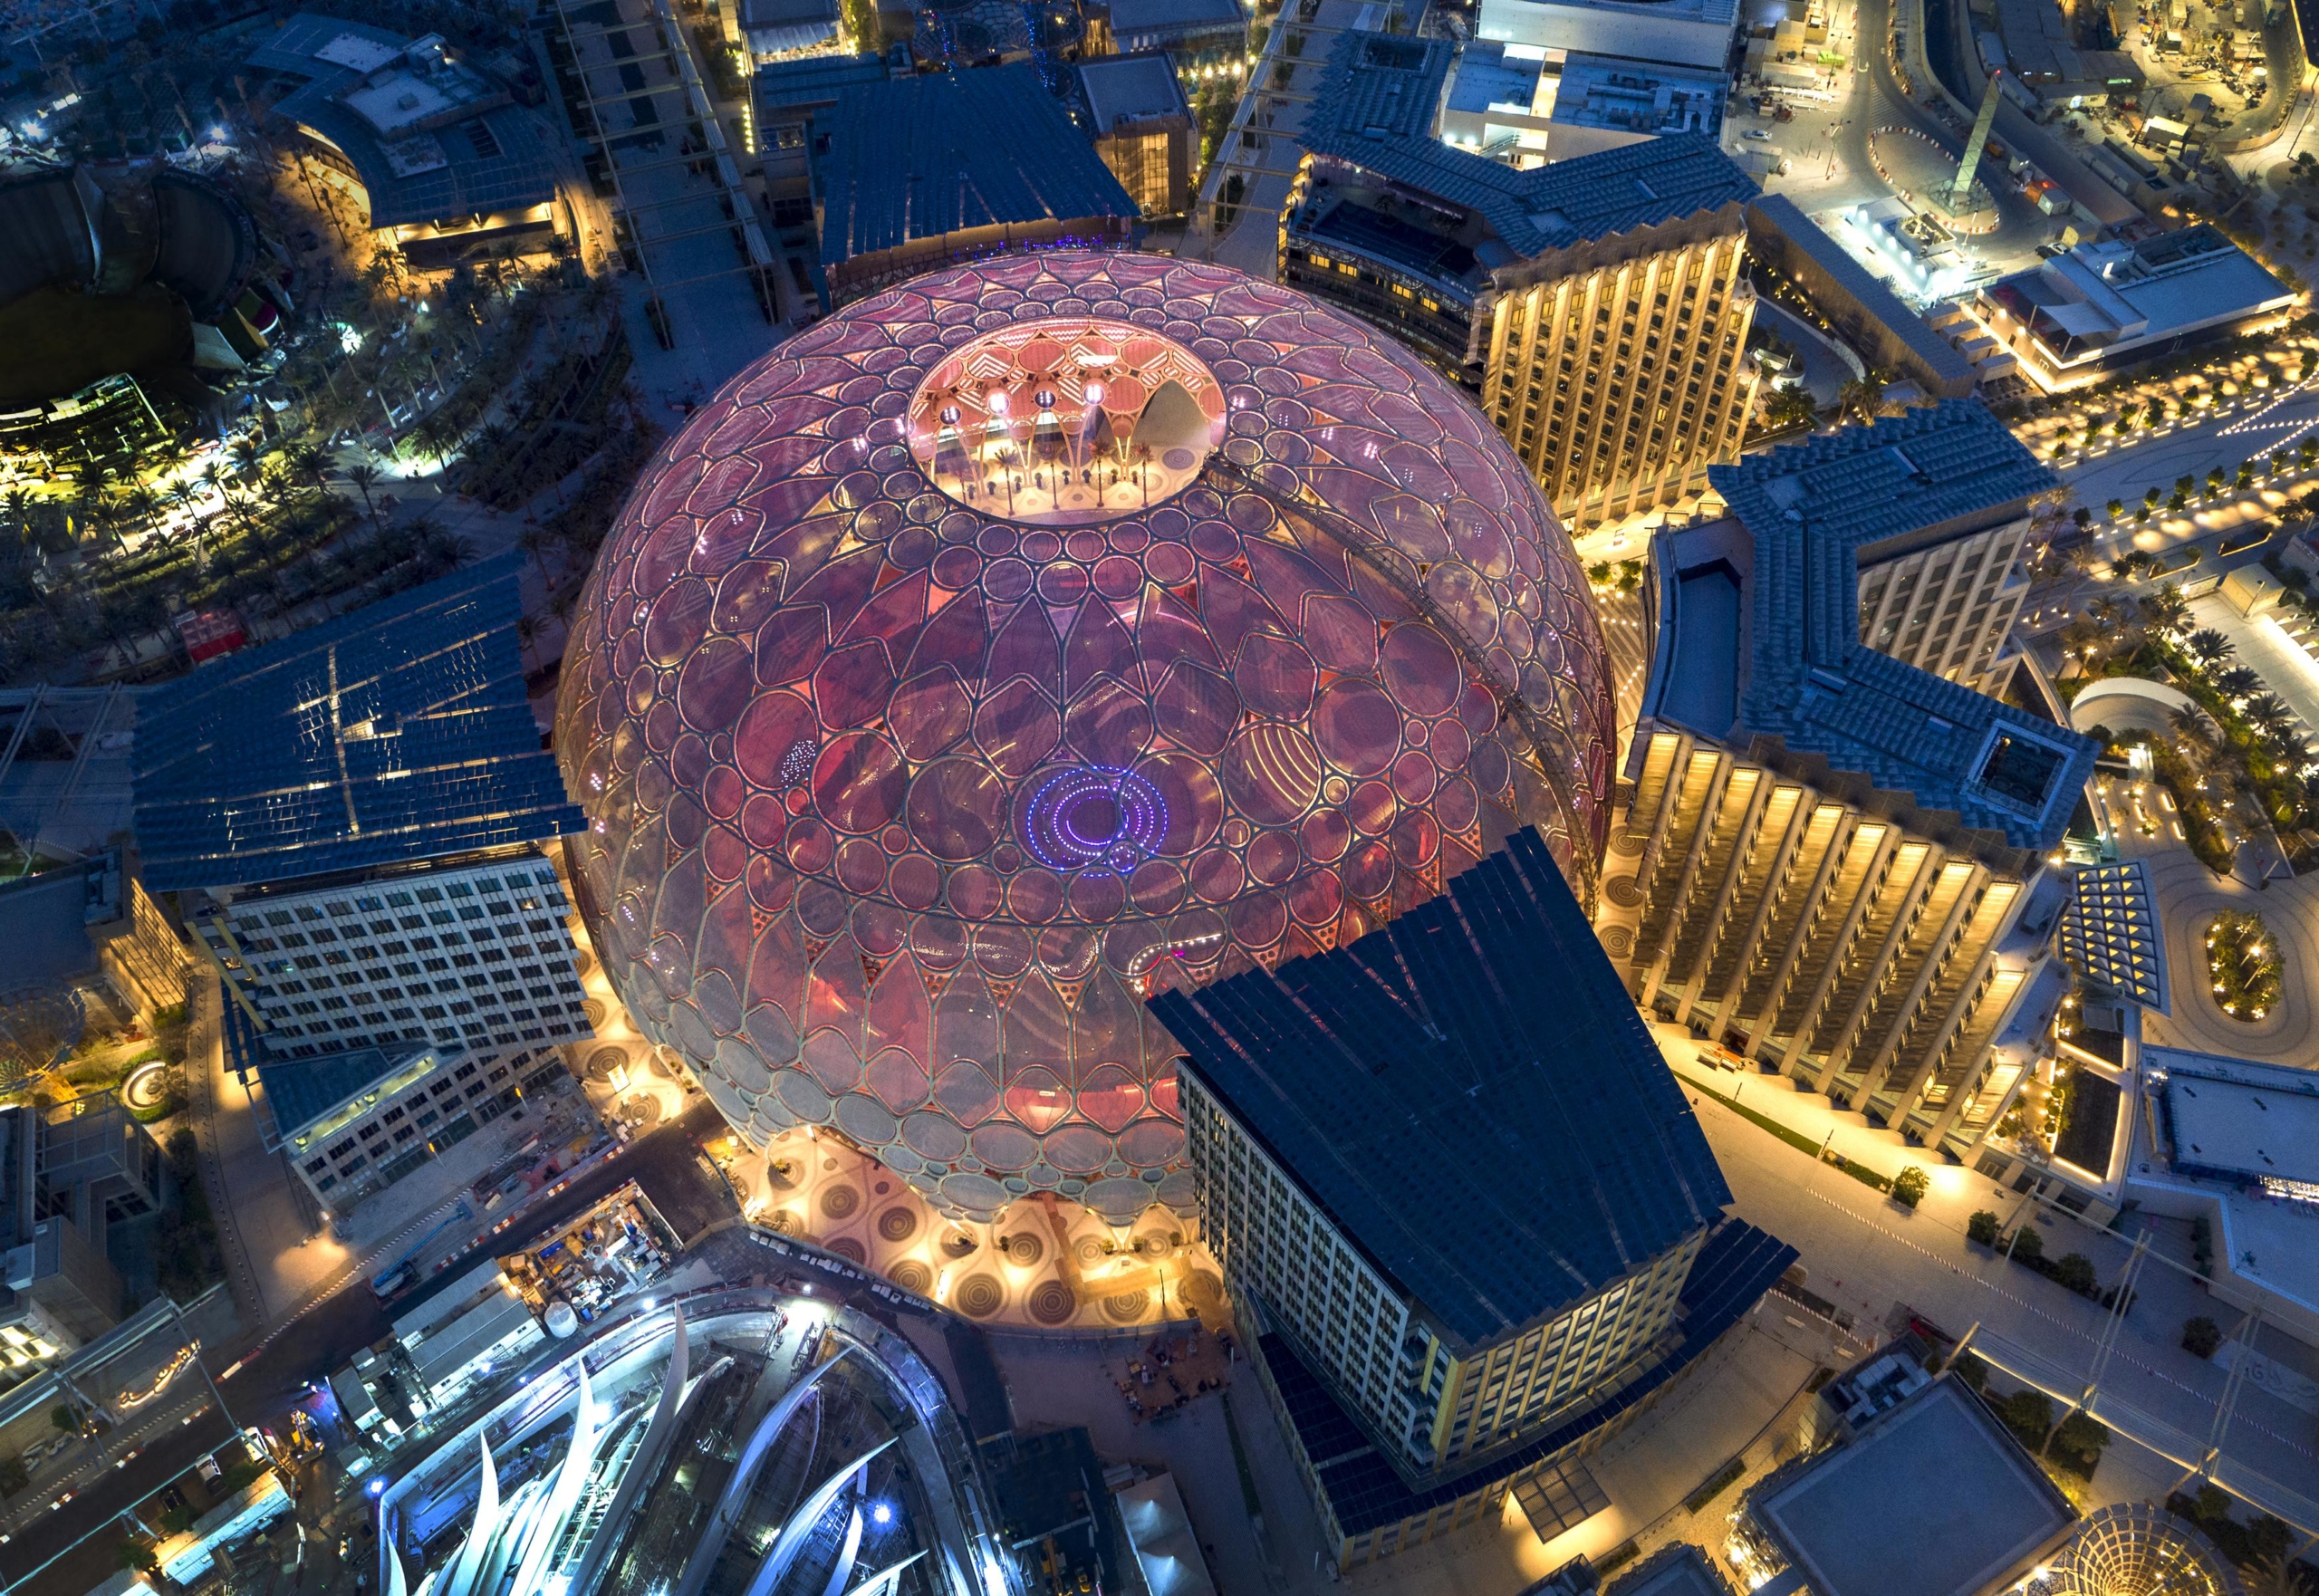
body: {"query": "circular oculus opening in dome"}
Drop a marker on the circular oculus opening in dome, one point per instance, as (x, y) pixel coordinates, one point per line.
(1066, 422)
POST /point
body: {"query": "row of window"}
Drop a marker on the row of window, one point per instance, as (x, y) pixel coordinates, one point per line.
(1270, 1237)
(447, 1093)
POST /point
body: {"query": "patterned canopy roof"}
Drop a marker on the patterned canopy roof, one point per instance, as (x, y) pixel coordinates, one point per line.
(898, 808)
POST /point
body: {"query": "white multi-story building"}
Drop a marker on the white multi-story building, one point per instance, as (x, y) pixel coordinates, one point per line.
(463, 955)
(352, 822)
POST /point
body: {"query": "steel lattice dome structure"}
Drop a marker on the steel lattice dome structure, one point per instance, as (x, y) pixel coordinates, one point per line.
(1029, 635)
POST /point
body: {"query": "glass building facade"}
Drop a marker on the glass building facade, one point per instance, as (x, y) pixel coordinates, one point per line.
(1029, 637)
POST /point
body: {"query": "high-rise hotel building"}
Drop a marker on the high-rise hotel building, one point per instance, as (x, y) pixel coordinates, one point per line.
(1599, 306)
(1469, 1232)
(1841, 858)
(351, 820)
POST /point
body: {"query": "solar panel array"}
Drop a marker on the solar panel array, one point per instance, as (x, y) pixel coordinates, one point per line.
(1376, 107)
(1471, 1093)
(921, 157)
(1810, 680)
(398, 732)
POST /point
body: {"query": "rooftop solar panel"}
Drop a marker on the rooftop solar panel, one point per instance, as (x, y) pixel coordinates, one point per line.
(1471, 1093)
(398, 732)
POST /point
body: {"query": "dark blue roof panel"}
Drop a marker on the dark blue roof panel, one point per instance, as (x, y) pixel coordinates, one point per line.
(398, 732)
(921, 157)
(1377, 108)
(1811, 508)
(1471, 1093)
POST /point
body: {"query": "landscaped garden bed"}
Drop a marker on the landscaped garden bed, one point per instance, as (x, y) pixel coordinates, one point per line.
(2242, 966)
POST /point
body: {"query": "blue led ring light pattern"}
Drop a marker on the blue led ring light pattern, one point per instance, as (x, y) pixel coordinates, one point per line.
(1092, 817)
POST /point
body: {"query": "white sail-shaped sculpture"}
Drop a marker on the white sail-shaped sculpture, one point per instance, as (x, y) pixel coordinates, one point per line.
(882, 1583)
(843, 1570)
(646, 1454)
(517, 1515)
(743, 1476)
(787, 1545)
(479, 1533)
(579, 1457)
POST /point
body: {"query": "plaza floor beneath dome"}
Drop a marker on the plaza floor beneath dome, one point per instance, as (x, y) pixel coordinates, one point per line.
(1046, 1263)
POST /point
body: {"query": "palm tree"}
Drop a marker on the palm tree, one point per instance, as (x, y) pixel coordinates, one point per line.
(444, 550)
(2114, 627)
(17, 503)
(2207, 647)
(364, 476)
(2274, 1574)
(536, 540)
(1863, 396)
(311, 463)
(2199, 738)
(2268, 713)
(2237, 681)
(2165, 608)
(144, 504)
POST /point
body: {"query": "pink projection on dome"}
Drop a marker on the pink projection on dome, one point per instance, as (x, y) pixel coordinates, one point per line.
(899, 805)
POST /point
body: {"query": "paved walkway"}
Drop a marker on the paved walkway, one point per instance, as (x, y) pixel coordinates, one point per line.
(1867, 1254)
(1051, 1266)
(1807, 1113)
(2188, 897)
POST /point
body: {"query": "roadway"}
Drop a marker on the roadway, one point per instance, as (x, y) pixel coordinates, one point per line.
(65, 1552)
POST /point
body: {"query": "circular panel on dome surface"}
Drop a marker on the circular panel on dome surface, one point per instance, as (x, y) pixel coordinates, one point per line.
(1070, 421)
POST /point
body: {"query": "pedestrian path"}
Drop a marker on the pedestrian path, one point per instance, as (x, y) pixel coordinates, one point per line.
(1808, 1114)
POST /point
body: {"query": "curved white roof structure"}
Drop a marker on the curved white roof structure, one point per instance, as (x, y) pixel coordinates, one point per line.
(621, 1472)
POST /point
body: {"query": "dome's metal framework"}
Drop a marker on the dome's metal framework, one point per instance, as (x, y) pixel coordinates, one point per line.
(900, 805)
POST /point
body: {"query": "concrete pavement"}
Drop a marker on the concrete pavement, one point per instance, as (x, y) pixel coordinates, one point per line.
(1868, 1255)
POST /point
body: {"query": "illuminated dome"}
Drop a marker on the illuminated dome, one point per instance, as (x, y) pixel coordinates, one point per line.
(1031, 635)
(2133, 1549)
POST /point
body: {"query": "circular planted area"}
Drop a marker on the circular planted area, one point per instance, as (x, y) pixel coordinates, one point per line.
(2242, 966)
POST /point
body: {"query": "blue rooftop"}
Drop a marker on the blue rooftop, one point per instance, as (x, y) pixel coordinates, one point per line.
(1471, 1093)
(1377, 109)
(494, 159)
(1759, 620)
(398, 732)
(920, 157)
(299, 1091)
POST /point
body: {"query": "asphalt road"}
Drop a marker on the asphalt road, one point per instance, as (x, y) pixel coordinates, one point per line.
(73, 1548)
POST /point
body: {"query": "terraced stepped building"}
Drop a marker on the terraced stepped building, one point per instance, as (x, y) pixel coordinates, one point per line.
(1840, 856)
